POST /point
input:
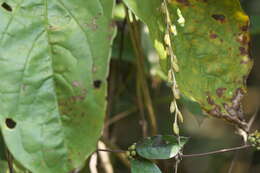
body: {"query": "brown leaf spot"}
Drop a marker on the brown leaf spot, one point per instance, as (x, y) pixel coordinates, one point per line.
(215, 111)
(243, 51)
(236, 100)
(244, 28)
(210, 100)
(93, 24)
(243, 39)
(75, 84)
(219, 17)
(213, 36)
(220, 91)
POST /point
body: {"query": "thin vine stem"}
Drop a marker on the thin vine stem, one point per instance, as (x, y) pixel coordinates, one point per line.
(9, 161)
(192, 155)
(216, 152)
(143, 90)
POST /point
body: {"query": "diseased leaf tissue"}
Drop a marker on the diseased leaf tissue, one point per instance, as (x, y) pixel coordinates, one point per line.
(211, 45)
(212, 49)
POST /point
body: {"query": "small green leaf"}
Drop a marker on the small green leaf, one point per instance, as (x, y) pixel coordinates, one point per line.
(160, 147)
(143, 166)
(176, 129)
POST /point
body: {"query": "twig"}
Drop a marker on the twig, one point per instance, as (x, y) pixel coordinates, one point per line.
(9, 161)
(143, 87)
(121, 155)
(252, 119)
(112, 151)
(124, 114)
(216, 152)
(105, 159)
(122, 40)
(235, 158)
(120, 116)
(233, 162)
(93, 163)
(191, 155)
(139, 78)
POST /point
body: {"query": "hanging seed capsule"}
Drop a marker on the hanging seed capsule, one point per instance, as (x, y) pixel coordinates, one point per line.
(175, 66)
(170, 79)
(176, 129)
(176, 92)
(175, 59)
(172, 107)
(180, 117)
(173, 30)
(167, 40)
(167, 50)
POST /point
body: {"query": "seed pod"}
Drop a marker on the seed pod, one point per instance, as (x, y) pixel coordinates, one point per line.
(176, 129)
(172, 107)
(176, 92)
(173, 30)
(175, 67)
(167, 40)
(180, 117)
(170, 79)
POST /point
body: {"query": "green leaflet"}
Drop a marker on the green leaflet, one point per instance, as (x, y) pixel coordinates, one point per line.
(143, 166)
(211, 45)
(160, 147)
(54, 59)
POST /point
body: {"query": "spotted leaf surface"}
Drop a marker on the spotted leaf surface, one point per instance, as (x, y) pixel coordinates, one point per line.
(210, 40)
(54, 58)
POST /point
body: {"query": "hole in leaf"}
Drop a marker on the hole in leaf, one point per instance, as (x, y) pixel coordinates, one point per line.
(97, 83)
(10, 123)
(7, 7)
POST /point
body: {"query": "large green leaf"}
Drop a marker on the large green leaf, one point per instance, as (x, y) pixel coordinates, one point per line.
(54, 57)
(143, 166)
(160, 147)
(211, 45)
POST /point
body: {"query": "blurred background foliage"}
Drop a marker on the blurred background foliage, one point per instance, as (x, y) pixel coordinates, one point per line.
(123, 121)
